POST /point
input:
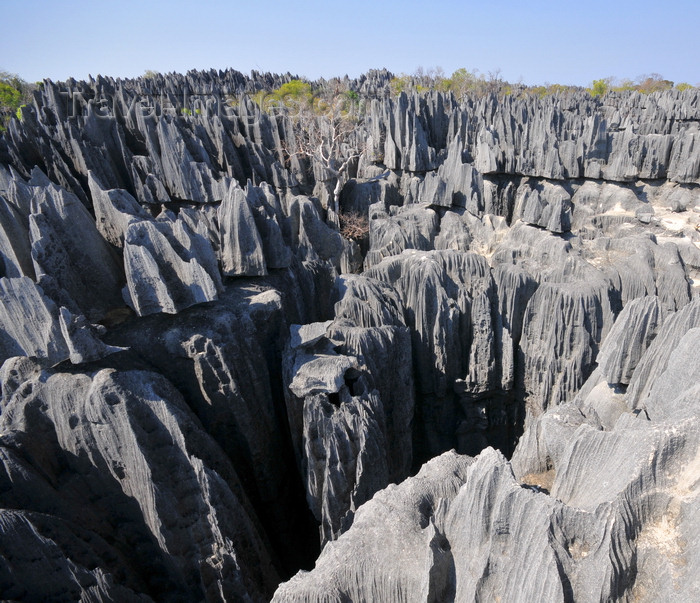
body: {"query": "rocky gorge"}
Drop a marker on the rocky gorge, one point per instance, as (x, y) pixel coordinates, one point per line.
(212, 390)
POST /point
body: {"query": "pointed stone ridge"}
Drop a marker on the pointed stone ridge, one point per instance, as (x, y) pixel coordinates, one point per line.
(449, 302)
(395, 529)
(168, 266)
(560, 345)
(129, 437)
(67, 246)
(15, 249)
(223, 358)
(634, 330)
(31, 324)
(655, 361)
(114, 210)
(465, 529)
(531, 278)
(391, 231)
(547, 205)
(385, 358)
(456, 183)
(269, 218)
(241, 246)
(367, 302)
(353, 398)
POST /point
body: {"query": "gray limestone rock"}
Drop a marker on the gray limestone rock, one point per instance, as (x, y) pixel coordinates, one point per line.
(655, 360)
(313, 238)
(602, 400)
(358, 195)
(15, 248)
(267, 213)
(320, 373)
(114, 211)
(47, 558)
(456, 183)
(241, 246)
(142, 471)
(461, 230)
(384, 352)
(185, 167)
(514, 288)
(543, 204)
(563, 327)
(67, 246)
(630, 336)
(619, 500)
(168, 267)
(225, 358)
(392, 547)
(33, 325)
(409, 227)
(506, 233)
(449, 301)
(367, 302)
(352, 404)
(607, 206)
(344, 456)
(674, 393)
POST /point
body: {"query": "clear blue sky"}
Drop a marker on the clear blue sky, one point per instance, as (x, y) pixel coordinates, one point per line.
(567, 42)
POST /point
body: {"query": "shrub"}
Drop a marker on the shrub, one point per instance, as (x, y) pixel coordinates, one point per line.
(653, 83)
(9, 96)
(354, 225)
(10, 100)
(293, 90)
(399, 84)
(599, 87)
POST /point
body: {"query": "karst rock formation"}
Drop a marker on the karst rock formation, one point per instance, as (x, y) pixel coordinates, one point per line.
(212, 390)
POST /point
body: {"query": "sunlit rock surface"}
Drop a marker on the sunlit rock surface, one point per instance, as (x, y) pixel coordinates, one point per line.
(461, 367)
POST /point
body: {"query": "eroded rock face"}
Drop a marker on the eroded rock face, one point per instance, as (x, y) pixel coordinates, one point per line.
(168, 267)
(528, 283)
(33, 324)
(657, 357)
(474, 537)
(407, 561)
(67, 247)
(112, 431)
(351, 403)
(241, 245)
(560, 346)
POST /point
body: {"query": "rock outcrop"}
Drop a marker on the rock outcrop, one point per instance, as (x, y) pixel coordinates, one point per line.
(117, 462)
(457, 357)
(471, 527)
(168, 266)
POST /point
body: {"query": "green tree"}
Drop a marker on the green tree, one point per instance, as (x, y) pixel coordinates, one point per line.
(294, 91)
(600, 87)
(15, 93)
(11, 98)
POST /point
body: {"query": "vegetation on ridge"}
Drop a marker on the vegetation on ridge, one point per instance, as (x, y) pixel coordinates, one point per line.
(14, 94)
(464, 82)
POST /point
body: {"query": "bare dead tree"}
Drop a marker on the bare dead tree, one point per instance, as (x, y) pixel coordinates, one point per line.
(326, 133)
